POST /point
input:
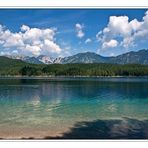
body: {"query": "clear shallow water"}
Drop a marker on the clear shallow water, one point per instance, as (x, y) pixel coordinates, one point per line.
(48, 108)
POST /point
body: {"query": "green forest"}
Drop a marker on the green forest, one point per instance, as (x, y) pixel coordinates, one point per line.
(85, 70)
(9, 67)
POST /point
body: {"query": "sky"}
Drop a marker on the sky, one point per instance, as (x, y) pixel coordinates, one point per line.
(65, 32)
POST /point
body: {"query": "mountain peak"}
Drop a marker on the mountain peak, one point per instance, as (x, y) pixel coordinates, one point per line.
(85, 57)
(45, 59)
(132, 57)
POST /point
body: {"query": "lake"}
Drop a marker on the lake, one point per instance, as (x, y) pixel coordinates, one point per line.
(74, 108)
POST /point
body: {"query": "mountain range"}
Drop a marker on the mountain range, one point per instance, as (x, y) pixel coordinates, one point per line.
(136, 57)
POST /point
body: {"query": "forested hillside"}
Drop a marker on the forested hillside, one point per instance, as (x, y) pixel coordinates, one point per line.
(17, 67)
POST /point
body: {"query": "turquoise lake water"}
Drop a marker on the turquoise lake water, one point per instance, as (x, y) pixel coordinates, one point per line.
(78, 108)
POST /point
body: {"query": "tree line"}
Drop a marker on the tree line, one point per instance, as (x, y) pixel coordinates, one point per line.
(85, 70)
(73, 70)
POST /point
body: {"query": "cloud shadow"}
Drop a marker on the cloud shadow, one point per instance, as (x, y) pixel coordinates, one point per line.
(107, 129)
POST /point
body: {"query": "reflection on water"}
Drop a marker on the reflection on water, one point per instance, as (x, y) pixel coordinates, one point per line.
(39, 108)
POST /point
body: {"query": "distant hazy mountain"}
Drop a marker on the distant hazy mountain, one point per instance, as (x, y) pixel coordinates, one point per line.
(42, 59)
(32, 60)
(45, 59)
(88, 57)
(15, 57)
(139, 57)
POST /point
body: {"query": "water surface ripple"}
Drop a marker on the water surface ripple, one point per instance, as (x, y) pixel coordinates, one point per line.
(69, 107)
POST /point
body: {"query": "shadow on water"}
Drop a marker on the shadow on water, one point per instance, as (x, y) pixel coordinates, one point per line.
(107, 129)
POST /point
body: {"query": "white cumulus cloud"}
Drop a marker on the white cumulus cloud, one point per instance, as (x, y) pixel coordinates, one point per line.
(110, 44)
(120, 31)
(88, 40)
(24, 28)
(79, 30)
(29, 41)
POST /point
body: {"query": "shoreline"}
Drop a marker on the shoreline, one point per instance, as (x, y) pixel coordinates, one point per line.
(56, 77)
(77, 131)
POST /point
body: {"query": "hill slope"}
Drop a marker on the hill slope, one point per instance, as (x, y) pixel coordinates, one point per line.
(139, 57)
(87, 57)
(11, 66)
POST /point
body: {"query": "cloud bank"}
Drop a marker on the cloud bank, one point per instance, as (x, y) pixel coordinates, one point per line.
(120, 32)
(29, 41)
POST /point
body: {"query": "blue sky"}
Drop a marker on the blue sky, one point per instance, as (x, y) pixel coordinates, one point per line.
(108, 32)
